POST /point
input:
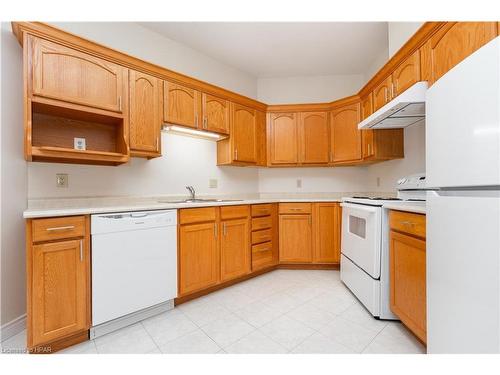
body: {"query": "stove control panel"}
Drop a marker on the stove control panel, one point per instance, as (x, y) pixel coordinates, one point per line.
(412, 182)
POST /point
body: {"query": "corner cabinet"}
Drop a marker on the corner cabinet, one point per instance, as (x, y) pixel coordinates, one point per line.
(145, 114)
(58, 282)
(345, 135)
(242, 146)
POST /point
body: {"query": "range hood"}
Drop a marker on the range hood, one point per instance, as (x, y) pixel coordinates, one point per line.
(402, 111)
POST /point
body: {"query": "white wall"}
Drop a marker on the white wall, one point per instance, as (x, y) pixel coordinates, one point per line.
(376, 64)
(312, 89)
(138, 41)
(13, 179)
(413, 162)
(185, 161)
(399, 33)
(314, 180)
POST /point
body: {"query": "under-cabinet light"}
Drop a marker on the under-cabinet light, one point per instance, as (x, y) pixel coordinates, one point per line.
(174, 129)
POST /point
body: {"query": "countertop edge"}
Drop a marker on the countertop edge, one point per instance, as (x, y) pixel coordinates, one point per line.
(56, 212)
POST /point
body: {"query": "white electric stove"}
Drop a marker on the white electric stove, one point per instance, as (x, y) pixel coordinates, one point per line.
(364, 264)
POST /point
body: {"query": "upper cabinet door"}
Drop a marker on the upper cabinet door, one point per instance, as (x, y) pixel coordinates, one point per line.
(346, 137)
(283, 140)
(406, 74)
(366, 106)
(71, 76)
(243, 134)
(453, 43)
(313, 138)
(382, 94)
(215, 114)
(180, 105)
(145, 114)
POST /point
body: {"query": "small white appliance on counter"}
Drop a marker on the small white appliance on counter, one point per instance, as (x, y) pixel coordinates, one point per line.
(364, 262)
(134, 267)
(463, 218)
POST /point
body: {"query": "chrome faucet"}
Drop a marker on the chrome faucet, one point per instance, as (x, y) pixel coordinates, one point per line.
(192, 192)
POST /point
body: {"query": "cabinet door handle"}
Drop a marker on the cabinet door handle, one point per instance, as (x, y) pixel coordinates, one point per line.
(215, 230)
(119, 103)
(369, 149)
(205, 123)
(81, 250)
(236, 154)
(224, 229)
(386, 91)
(53, 229)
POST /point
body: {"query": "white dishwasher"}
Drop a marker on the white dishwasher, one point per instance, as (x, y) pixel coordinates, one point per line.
(134, 267)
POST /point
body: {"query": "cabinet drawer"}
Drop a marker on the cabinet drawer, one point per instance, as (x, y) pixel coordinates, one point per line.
(57, 228)
(407, 222)
(261, 236)
(295, 208)
(234, 212)
(262, 255)
(196, 215)
(261, 223)
(261, 210)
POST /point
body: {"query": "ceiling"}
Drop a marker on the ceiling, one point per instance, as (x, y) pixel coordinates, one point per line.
(283, 49)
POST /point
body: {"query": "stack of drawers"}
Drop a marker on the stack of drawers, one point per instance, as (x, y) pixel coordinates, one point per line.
(263, 238)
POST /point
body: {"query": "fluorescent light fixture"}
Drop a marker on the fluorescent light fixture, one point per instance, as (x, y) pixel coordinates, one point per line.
(180, 130)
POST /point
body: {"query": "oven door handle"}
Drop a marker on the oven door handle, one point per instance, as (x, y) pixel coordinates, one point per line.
(360, 207)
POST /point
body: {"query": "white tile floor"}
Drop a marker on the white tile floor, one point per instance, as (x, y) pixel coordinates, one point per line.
(284, 311)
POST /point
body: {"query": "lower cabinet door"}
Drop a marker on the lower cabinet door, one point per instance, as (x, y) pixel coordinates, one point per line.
(198, 257)
(59, 299)
(235, 248)
(408, 288)
(295, 238)
(326, 233)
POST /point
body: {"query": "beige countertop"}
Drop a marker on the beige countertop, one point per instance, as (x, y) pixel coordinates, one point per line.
(418, 208)
(84, 206)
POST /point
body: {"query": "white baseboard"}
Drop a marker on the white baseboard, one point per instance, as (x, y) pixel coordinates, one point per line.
(13, 327)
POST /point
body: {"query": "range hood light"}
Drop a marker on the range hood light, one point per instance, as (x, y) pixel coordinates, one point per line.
(179, 130)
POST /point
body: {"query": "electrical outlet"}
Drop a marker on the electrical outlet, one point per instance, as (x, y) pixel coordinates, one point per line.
(378, 181)
(212, 183)
(299, 182)
(62, 180)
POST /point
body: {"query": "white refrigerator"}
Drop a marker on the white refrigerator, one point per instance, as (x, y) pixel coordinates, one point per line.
(463, 217)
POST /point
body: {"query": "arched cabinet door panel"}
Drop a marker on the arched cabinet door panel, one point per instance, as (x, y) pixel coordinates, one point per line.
(63, 74)
(181, 105)
(243, 133)
(313, 138)
(283, 138)
(215, 114)
(345, 135)
(145, 114)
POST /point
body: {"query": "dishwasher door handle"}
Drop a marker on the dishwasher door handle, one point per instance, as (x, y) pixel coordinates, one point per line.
(142, 214)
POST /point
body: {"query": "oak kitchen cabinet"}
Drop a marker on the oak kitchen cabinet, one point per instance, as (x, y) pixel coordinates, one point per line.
(345, 135)
(198, 249)
(145, 114)
(64, 74)
(235, 241)
(241, 147)
(283, 138)
(452, 43)
(314, 147)
(295, 241)
(407, 270)
(58, 281)
(192, 108)
(264, 235)
(326, 223)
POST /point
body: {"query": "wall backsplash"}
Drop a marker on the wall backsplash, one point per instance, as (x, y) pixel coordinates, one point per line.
(185, 161)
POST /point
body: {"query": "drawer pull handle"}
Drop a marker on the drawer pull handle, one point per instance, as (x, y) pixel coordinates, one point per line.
(81, 250)
(68, 227)
(408, 223)
(262, 250)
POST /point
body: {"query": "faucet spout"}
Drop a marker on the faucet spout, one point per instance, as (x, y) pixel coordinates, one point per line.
(192, 192)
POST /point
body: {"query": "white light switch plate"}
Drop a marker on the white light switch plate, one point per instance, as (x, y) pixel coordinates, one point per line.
(212, 183)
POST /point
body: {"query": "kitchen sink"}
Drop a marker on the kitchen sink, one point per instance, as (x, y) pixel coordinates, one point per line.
(199, 200)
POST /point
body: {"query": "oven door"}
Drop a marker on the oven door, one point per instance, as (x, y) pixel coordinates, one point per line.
(361, 236)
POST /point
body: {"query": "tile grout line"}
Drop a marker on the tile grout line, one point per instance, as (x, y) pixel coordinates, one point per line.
(154, 341)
